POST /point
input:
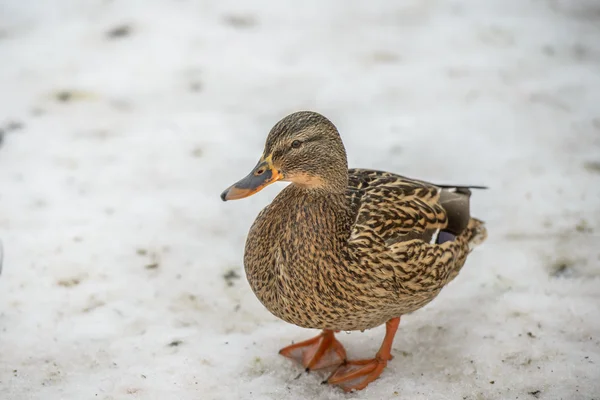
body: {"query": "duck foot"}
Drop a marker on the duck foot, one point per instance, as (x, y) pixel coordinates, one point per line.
(319, 352)
(356, 375)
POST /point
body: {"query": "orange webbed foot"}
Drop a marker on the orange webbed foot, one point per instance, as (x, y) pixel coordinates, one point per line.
(356, 375)
(319, 352)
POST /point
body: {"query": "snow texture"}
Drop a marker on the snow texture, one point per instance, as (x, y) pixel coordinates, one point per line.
(122, 122)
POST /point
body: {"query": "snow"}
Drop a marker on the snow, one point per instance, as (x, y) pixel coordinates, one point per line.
(122, 122)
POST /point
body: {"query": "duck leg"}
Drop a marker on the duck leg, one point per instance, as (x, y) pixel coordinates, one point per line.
(356, 375)
(319, 352)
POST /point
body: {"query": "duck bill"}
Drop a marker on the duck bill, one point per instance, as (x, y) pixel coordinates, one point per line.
(261, 176)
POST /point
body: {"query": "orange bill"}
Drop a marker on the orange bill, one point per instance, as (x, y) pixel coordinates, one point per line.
(261, 176)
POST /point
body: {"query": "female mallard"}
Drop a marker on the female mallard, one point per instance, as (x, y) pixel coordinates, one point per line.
(342, 249)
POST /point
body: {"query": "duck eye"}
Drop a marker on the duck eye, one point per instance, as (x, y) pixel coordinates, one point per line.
(296, 144)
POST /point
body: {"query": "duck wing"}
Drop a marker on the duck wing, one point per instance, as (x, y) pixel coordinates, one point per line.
(393, 208)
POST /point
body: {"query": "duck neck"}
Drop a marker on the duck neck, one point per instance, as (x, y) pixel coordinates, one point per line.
(317, 194)
(320, 214)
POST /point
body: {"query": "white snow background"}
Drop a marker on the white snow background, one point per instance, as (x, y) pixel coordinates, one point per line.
(122, 122)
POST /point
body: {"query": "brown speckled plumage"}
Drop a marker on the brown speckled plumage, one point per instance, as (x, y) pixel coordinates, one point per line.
(342, 249)
(352, 261)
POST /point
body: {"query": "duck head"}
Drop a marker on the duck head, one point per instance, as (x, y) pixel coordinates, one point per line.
(304, 148)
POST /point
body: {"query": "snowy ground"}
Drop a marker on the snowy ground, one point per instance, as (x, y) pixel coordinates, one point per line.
(122, 122)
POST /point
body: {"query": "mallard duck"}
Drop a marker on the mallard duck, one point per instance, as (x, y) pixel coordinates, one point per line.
(347, 249)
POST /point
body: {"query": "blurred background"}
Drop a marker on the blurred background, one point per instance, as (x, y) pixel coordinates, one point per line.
(122, 121)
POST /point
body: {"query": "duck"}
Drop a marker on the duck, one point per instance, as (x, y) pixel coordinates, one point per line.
(342, 249)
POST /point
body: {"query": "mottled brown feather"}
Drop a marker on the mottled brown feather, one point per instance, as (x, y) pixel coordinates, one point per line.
(355, 260)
